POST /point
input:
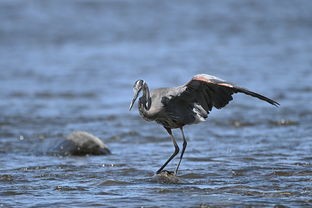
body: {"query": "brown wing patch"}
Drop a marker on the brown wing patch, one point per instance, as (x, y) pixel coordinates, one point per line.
(206, 78)
(212, 79)
(201, 78)
(226, 85)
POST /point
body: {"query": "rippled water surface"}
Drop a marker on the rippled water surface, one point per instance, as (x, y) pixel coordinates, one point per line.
(70, 65)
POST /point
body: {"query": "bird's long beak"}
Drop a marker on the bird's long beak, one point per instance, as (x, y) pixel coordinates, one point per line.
(131, 104)
(134, 99)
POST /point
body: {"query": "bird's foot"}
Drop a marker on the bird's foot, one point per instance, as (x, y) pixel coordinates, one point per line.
(166, 176)
(166, 173)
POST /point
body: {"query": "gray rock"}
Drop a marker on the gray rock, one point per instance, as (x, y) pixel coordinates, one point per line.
(167, 177)
(81, 143)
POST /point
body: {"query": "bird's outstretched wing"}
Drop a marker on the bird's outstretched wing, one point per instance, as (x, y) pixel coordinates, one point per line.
(209, 91)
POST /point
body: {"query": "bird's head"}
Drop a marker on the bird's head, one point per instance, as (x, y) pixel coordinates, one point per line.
(137, 87)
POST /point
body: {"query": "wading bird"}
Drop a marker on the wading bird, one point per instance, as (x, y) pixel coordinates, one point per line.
(187, 104)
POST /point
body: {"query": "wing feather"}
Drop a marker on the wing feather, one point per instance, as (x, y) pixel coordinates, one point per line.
(210, 91)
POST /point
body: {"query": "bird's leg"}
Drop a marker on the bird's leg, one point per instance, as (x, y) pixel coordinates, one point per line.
(183, 149)
(176, 151)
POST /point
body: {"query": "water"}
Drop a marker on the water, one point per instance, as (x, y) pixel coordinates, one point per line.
(70, 65)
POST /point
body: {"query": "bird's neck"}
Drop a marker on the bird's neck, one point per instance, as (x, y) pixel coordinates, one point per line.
(146, 98)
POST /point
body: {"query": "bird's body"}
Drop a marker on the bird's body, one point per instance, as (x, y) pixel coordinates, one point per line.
(187, 104)
(159, 108)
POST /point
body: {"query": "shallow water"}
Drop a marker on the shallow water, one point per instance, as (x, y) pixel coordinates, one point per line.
(70, 65)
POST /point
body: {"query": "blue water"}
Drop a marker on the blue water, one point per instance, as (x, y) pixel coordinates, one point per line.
(70, 65)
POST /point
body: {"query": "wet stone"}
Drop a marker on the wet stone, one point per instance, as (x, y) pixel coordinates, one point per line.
(81, 143)
(167, 177)
(6, 178)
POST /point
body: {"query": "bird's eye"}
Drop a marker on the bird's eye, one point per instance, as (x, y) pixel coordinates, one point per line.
(138, 84)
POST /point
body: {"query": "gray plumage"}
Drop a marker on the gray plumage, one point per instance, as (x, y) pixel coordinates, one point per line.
(186, 104)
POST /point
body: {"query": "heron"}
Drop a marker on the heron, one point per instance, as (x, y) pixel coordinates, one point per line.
(188, 104)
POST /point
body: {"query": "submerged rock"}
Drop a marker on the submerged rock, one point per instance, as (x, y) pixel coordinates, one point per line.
(166, 177)
(81, 143)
